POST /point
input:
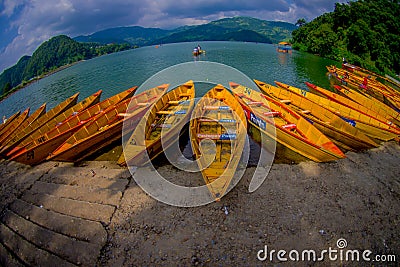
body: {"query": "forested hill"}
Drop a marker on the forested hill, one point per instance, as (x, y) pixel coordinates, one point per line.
(365, 32)
(52, 54)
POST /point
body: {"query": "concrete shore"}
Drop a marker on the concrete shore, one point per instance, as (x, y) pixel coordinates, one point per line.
(94, 214)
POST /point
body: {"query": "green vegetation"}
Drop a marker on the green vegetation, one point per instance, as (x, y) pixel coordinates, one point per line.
(57, 52)
(365, 32)
(228, 29)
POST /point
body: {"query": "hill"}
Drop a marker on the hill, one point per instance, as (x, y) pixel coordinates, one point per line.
(228, 29)
(135, 35)
(52, 54)
(365, 32)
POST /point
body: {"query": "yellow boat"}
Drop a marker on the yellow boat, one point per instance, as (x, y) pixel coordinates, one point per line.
(348, 103)
(370, 103)
(374, 88)
(219, 118)
(39, 149)
(370, 126)
(35, 115)
(9, 120)
(10, 127)
(163, 120)
(344, 78)
(31, 133)
(292, 130)
(343, 134)
(106, 128)
(51, 114)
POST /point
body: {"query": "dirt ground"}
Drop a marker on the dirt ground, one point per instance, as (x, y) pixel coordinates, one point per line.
(305, 206)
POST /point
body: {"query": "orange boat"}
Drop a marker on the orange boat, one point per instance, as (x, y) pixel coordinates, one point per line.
(292, 130)
(370, 103)
(37, 132)
(35, 115)
(68, 103)
(39, 149)
(9, 120)
(348, 103)
(160, 126)
(9, 128)
(341, 133)
(369, 125)
(106, 128)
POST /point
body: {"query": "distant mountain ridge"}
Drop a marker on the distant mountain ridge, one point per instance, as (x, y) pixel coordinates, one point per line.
(62, 50)
(227, 29)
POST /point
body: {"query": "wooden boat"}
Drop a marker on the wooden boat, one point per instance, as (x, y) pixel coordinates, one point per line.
(163, 120)
(39, 149)
(361, 72)
(197, 52)
(35, 115)
(9, 128)
(9, 120)
(219, 117)
(343, 78)
(65, 105)
(374, 88)
(347, 102)
(284, 47)
(31, 135)
(292, 130)
(342, 134)
(370, 126)
(106, 128)
(370, 103)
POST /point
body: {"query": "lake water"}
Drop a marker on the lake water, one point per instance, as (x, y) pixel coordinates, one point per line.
(117, 72)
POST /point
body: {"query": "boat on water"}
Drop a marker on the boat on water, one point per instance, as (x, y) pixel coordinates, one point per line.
(284, 47)
(292, 130)
(6, 136)
(370, 103)
(106, 127)
(369, 125)
(31, 135)
(40, 147)
(219, 118)
(48, 116)
(163, 121)
(341, 133)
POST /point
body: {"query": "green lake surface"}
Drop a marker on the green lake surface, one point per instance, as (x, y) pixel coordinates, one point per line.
(120, 71)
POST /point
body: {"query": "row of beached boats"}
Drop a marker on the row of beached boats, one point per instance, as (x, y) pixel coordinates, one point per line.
(317, 123)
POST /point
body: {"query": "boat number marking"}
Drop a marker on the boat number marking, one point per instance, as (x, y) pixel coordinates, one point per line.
(30, 155)
(256, 120)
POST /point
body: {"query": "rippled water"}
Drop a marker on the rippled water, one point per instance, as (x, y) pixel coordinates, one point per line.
(117, 72)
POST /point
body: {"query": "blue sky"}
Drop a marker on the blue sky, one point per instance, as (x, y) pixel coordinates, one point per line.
(25, 24)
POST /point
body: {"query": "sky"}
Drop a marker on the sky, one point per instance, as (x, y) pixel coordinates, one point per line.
(25, 24)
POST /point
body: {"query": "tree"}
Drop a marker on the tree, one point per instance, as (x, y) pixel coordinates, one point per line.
(301, 22)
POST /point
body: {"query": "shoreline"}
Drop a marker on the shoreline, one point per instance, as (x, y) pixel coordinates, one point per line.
(95, 214)
(36, 79)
